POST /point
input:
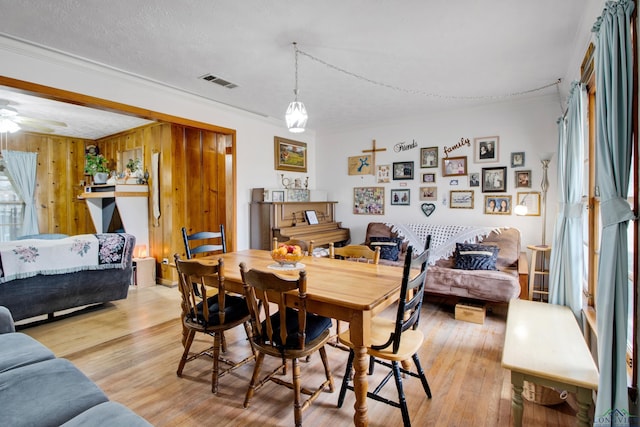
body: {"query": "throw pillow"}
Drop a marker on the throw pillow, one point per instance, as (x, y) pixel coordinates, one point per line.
(389, 247)
(475, 257)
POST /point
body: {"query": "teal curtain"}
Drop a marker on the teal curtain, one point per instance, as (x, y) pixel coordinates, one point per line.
(21, 169)
(614, 86)
(566, 265)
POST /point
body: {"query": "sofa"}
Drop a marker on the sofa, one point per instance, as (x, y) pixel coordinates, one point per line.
(38, 389)
(42, 276)
(509, 280)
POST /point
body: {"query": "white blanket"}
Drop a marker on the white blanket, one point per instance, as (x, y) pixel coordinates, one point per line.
(27, 258)
(443, 237)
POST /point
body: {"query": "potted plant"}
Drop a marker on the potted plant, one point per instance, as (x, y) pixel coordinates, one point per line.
(97, 166)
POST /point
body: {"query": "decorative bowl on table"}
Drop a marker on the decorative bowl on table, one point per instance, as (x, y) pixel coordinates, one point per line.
(287, 254)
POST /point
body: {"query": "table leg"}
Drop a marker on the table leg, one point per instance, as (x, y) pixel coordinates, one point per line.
(584, 402)
(360, 327)
(517, 380)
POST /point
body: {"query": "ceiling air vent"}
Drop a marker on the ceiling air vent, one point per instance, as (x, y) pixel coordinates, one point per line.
(218, 81)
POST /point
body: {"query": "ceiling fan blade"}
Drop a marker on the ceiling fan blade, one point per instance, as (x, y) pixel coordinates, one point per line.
(33, 121)
(36, 127)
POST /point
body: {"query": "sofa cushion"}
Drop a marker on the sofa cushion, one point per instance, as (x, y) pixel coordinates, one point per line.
(47, 393)
(20, 350)
(508, 240)
(389, 247)
(470, 256)
(107, 414)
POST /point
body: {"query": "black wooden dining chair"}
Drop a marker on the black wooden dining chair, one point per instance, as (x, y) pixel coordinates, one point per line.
(394, 341)
(204, 242)
(287, 334)
(211, 312)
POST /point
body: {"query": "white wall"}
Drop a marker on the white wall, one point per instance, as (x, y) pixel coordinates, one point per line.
(522, 125)
(254, 137)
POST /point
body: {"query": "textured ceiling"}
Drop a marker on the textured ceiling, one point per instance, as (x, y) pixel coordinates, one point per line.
(417, 55)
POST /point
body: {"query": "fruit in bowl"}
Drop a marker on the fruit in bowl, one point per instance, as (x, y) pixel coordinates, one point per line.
(287, 254)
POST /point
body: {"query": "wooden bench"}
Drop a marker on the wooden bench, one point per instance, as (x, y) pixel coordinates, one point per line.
(544, 345)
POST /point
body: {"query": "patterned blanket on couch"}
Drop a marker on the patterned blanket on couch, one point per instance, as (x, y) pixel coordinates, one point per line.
(27, 258)
(443, 237)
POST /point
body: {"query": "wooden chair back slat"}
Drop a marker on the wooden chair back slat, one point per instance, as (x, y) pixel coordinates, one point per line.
(195, 277)
(204, 242)
(355, 253)
(262, 290)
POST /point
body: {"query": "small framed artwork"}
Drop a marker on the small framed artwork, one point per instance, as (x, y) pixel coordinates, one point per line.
(454, 166)
(494, 179)
(497, 205)
(517, 159)
(485, 149)
(361, 165)
(429, 178)
(400, 197)
(368, 200)
(403, 170)
(530, 199)
(311, 217)
(453, 182)
(277, 196)
(474, 179)
(461, 199)
(383, 173)
(297, 195)
(429, 157)
(429, 194)
(523, 179)
(290, 155)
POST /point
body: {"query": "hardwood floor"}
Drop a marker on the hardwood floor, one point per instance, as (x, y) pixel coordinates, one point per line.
(131, 349)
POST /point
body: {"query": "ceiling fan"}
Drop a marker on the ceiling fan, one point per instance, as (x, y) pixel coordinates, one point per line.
(12, 121)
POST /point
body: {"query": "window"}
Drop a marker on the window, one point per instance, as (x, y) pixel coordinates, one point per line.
(11, 209)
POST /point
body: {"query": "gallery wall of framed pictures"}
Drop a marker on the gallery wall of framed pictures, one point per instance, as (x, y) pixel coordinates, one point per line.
(467, 174)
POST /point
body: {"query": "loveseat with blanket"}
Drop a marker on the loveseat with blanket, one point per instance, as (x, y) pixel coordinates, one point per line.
(38, 389)
(495, 271)
(41, 276)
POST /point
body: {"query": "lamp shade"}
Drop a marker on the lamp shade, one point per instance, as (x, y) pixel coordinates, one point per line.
(520, 210)
(296, 117)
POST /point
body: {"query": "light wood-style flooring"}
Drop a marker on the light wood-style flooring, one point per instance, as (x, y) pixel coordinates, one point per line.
(131, 349)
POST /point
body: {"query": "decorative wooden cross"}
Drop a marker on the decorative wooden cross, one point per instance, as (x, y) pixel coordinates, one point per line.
(373, 156)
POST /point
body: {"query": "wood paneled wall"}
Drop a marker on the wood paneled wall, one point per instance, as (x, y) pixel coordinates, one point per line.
(59, 173)
(192, 183)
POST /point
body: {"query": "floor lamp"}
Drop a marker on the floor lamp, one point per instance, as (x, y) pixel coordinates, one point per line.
(545, 158)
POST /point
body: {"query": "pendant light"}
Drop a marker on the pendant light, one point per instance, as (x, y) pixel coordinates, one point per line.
(296, 115)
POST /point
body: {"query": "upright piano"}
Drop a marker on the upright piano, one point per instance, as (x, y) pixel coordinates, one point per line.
(287, 220)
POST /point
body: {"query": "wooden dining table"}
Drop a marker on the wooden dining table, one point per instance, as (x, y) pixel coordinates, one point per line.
(350, 291)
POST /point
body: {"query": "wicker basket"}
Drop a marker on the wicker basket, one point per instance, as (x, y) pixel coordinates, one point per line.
(542, 395)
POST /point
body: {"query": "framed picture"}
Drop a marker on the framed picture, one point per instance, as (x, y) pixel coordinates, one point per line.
(497, 205)
(297, 195)
(454, 166)
(311, 217)
(368, 201)
(429, 194)
(530, 199)
(461, 199)
(474, 179)
(289, 155)
(494, 179)
(428, 178)
(403, 170)
(277, 196)
(485, 149)
(429, 157)
(361, 165)
(517, 159)
(383, 173)
(400, 197)
(523, 179)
